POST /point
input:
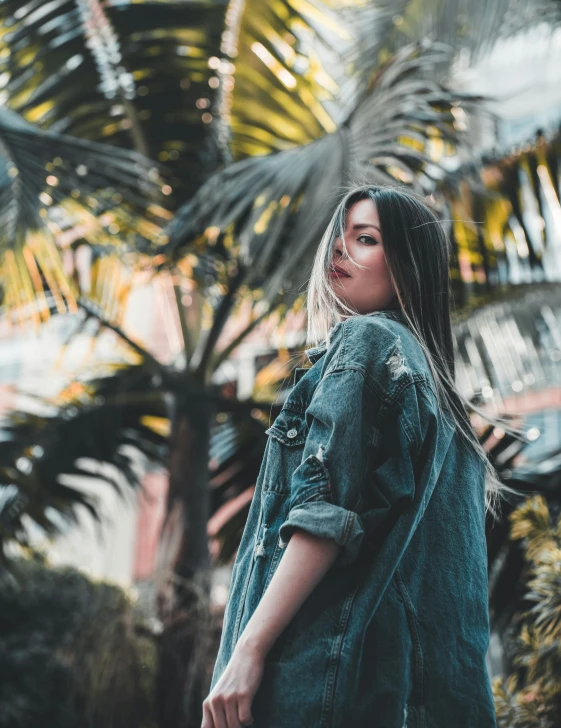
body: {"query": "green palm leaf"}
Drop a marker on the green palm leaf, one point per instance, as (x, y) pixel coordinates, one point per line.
(472, 27)
(50, 182)
(288, 76)
(278, 205)
(133, 74)
(94, 420)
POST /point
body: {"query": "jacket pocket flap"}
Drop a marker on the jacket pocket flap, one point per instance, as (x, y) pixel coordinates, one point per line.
(289, 428)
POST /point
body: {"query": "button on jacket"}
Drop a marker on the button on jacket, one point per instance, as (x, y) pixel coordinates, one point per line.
(396, 633)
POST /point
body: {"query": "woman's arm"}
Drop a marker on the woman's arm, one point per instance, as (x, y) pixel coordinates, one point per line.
(306, 560)
(302, 567)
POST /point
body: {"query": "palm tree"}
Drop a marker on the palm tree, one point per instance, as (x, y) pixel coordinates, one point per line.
(151, 78)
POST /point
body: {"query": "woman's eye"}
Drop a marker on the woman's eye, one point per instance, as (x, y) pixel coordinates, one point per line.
(367, 239)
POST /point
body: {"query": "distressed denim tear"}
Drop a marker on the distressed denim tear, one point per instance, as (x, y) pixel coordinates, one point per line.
(260, 546)
(396, 361)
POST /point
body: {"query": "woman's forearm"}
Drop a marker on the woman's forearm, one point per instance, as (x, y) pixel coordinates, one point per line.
(303, 565)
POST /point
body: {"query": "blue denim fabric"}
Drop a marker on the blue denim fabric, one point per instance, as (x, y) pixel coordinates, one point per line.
(396, 633)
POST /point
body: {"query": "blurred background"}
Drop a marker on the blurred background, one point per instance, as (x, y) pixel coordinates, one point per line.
(166, 170)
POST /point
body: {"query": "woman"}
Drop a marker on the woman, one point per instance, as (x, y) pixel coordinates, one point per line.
(359, 593)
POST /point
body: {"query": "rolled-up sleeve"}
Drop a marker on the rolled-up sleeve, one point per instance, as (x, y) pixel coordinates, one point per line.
(351, 473)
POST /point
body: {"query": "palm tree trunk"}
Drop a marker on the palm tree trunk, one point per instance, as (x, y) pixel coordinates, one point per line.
(184, 592)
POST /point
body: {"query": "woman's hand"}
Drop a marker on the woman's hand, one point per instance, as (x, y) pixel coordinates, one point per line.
(229, 703)
(306, 559)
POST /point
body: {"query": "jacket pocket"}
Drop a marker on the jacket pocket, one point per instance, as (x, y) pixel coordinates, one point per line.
(289, 428)
(287, 437)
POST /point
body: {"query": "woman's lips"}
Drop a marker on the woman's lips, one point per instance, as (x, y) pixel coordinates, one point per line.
(336, 272)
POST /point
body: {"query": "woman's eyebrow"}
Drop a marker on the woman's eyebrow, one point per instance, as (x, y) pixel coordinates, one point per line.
(361, 225)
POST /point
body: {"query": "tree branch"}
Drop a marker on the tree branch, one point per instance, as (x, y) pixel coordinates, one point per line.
(155, 364)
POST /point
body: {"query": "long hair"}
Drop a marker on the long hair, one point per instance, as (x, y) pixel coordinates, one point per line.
(417, 252)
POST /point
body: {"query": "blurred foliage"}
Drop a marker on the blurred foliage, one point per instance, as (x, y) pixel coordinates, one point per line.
(126, 73)
(530, 695)
(73, 652)
(96, 429)
(50, 183)
(500, 215)
(283, 76)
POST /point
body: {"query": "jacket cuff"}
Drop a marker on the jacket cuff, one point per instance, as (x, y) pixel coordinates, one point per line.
(326, 520)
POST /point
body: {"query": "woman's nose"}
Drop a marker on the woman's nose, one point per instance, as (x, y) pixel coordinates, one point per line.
(338, 248)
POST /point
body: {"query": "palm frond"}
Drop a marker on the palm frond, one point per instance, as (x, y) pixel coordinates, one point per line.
(287, 75)
(132, 74)
(99, 420)
(499, 210)
(467, 28)
(276, 207)
(51, 182)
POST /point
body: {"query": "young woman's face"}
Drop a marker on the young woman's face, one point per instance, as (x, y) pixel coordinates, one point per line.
(364, 289)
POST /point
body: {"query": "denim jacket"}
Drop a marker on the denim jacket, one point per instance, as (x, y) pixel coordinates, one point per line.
(396, 633)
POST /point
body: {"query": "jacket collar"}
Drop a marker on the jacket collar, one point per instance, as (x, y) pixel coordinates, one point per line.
(316, 352)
